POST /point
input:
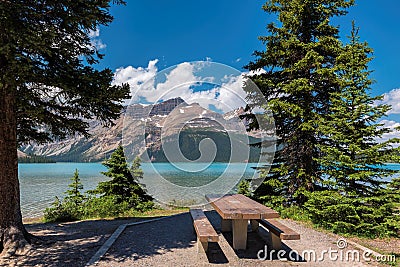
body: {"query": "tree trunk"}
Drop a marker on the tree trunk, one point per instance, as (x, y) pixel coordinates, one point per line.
(13, 236)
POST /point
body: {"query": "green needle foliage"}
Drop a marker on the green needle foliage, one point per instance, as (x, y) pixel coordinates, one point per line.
(244, 188)
(124, 184)
(70, 208)
(352, 157)
(74, 193)
(49, 87)
(120, 196)
(299, 76)
(330, 159)
(47, 59)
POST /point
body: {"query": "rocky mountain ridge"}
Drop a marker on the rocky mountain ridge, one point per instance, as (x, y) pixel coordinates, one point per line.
(165, 119)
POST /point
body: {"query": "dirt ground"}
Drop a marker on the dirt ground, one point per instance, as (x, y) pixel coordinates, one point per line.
(172, 242)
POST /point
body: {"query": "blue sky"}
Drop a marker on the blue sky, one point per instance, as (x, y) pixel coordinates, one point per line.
(177, 31)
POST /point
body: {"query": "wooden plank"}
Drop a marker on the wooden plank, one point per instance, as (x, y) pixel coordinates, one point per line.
(204, 230)
(229, 207)
(282, 231)
(264, 211)
(248, 211)
(226, 209)
(237, 206)
(197, 214)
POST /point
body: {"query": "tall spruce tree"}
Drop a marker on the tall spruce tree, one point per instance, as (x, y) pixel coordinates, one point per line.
(300, 75)
(124, 184)
(48, 87)
(356, 198)
(352, 156)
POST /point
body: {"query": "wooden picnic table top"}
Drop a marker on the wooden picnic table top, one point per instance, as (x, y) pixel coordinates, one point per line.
(237, 206)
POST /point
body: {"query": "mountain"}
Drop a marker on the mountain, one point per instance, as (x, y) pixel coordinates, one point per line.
(144, 125)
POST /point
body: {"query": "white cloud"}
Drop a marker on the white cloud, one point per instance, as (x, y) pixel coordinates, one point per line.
(95, 33)
(231, 95)
(136, 77)
(392, 125)
(95, 40)
(180, 81)
(256, 72)
(392, 98)
(177, 83)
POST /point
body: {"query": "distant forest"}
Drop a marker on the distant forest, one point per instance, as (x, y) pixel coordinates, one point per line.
(32, 158)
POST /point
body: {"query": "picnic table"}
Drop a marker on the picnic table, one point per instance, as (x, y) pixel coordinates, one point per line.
(236, 210)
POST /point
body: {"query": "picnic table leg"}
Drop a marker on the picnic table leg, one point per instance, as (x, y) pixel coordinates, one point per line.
(201, 246)
(226, 225)
(239, 233)
(276, 241)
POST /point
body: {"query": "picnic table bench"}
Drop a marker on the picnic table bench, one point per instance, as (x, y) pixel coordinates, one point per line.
(236, 210)
(204, 230)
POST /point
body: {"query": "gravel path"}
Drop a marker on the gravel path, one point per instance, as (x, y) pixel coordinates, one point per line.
(172, 242)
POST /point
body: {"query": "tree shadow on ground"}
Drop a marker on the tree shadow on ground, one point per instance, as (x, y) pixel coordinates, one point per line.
(215, 254)
(167, 240)
(259, 247)
(150, 239)
(66, 244)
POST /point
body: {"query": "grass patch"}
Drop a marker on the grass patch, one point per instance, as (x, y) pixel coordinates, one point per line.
(157, 212)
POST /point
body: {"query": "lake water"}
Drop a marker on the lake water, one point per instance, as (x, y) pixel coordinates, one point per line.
(40, 183)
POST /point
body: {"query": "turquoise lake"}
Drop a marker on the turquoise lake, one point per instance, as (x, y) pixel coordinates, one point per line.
(40, 183)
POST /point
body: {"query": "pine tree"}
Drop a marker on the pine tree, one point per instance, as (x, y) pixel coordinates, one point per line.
(139, 196)
(352, 156)
(74, 194)
(71, 208)
(299, 64)
(48, 88)
(124, 180)
(356, 198)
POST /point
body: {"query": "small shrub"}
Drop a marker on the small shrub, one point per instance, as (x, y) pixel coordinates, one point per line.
(294, 212)
(364, 216)
(244, 188)
(62, 211)
(102, 207)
